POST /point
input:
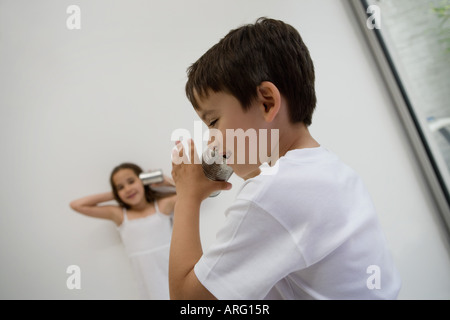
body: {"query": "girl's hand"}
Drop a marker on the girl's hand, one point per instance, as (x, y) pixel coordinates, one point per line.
(190, 181)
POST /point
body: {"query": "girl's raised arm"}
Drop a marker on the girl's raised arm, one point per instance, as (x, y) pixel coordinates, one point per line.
(89, 206)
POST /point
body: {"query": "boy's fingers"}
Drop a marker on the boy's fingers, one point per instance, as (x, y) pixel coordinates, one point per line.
(228, 186)
(224, 185)
(175, 156)
(183, 155)
(178, 155)
(194, 156)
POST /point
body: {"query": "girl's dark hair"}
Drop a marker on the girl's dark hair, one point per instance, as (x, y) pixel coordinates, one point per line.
(150, 195)
(269, 50)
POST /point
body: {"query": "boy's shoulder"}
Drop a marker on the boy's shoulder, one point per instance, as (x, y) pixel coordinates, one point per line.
(295, 170)
(306, 181)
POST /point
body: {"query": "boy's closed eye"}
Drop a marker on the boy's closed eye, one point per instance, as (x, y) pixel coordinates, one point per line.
(212, 123)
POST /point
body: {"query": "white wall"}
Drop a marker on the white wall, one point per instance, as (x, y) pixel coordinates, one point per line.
(75, 103)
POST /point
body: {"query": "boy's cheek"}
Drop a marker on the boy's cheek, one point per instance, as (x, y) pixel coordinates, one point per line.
(235, 155)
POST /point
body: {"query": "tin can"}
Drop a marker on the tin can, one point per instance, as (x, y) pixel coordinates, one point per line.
(152, 177)
(215, 167)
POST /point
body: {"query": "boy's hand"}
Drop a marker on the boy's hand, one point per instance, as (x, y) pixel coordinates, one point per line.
(190, 181)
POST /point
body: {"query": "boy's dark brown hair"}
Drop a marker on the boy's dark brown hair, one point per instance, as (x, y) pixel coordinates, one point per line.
(269, 50)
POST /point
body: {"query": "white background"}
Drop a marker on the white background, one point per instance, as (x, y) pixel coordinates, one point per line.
(75, 103)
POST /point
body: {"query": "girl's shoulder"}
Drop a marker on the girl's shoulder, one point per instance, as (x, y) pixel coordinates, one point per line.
(167, 204)
(117, 214)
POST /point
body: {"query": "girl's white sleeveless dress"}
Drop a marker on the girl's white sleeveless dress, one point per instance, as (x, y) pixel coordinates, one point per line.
(147, 244)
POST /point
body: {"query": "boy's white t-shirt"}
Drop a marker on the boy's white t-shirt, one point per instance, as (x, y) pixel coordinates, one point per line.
(305, 228)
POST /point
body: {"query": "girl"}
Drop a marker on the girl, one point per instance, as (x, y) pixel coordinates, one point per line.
(144, 221)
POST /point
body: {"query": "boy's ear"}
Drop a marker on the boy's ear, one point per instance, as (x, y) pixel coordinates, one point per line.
(269, 99)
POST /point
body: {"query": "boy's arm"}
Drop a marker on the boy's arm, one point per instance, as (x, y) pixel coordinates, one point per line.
(186, 249)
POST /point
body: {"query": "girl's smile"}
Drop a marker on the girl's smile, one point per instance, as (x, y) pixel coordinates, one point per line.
(131, 196)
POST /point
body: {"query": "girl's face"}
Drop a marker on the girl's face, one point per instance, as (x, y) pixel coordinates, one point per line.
(129, 187)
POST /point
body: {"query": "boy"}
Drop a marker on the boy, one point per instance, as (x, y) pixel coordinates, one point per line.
(303, 229)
